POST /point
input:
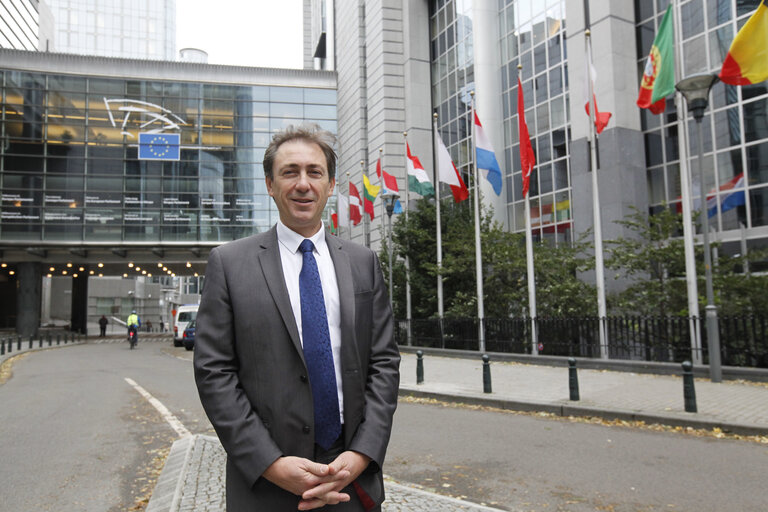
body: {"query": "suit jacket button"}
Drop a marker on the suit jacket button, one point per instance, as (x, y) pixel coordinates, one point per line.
(306, 429)
(303, 378)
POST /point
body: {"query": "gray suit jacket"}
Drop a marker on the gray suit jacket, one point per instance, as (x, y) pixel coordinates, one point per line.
(252, 377)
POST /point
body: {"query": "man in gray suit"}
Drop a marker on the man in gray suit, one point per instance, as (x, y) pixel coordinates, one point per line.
(295, 359)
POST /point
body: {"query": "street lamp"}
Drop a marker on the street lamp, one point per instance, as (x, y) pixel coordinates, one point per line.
(389, 197)
(695, 89)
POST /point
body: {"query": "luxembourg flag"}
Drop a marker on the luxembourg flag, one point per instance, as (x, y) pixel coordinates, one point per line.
(731, 195)
(486, 158)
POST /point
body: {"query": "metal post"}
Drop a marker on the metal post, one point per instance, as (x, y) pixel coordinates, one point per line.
(573, 379)
(419, 367)
(2, 347)
(713, 331)
(30, 341)
(18, 340)
(486, 374)
(689, 392)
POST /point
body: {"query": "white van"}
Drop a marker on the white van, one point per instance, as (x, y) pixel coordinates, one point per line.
(184, 315)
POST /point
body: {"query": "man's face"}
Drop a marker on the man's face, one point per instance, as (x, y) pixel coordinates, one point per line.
(300, 185)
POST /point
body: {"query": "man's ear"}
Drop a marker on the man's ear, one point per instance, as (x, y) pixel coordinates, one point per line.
(268, 181)
(331, 185)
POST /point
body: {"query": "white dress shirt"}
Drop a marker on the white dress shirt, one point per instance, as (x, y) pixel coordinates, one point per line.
(292, 261)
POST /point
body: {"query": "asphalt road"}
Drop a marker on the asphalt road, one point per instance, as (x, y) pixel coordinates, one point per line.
(74, 435)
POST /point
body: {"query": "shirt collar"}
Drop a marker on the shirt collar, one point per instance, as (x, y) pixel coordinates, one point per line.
(291, 239)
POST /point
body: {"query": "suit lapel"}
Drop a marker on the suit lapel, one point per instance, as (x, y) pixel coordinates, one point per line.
(271, 266)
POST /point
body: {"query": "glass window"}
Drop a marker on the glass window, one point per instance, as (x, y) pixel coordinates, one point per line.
(757, 163)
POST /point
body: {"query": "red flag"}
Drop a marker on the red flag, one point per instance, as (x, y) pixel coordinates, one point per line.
(334, 224)
(527, 158)
(378, 167)
(390, 183)
(601, 118)
(355, 213)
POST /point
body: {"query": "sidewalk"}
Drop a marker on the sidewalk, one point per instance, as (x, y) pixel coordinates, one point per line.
(193, 476)
(734, 406)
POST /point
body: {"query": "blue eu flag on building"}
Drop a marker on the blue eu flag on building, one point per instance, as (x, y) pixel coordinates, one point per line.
(159, 146)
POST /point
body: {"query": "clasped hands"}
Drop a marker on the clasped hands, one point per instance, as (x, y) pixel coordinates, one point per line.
(317, 484)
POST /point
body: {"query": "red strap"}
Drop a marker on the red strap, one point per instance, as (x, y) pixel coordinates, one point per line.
(364, 498)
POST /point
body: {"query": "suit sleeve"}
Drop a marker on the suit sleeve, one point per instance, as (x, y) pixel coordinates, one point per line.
(242, 433)
(383, 376)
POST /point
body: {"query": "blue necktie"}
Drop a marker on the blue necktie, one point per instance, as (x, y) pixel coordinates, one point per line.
(317, 350)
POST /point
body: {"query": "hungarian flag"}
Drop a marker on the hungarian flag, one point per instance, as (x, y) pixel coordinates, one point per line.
(601, 118)
(418, 181)
(355, 205)
(747, 59)
(527, 158)
(369, 194)
(659, 76)
(447, 173)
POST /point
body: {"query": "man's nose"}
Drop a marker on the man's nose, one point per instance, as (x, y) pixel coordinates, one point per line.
(303, 181)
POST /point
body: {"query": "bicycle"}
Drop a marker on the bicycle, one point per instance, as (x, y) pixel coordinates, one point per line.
(132, 336)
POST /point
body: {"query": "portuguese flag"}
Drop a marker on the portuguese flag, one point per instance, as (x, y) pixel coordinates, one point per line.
(659, 76)
(747, 59)
(369, 194)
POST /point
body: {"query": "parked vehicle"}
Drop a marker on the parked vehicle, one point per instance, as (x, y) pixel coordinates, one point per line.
(184, 315)
(189, 336)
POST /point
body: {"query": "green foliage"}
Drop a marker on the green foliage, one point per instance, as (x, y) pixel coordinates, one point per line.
(505, 284)
(653, 261)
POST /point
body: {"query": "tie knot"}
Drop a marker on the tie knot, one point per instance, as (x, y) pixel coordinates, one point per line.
(306, 246)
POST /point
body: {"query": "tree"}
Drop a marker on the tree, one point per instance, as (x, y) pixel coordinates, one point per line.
(654, 261)
(559, 291)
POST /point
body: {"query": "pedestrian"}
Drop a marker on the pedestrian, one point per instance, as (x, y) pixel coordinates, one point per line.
(149, 325)
(295, 359)
(162, 325)
(103, 326)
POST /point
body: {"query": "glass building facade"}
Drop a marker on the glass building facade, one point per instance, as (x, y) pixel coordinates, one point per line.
(69, 166)
(532, 34)
(137, 30)
(19, 24)
(735, 125)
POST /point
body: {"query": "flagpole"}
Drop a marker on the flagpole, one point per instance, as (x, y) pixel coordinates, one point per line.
(478, 247)
(596, 217)
(382, 227)
(439, 235)
(529, 254)
(407, 252)
(366, 221)
(349, 210)
(685, 193)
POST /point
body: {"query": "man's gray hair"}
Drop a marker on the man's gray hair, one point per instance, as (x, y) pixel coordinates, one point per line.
(307, 132)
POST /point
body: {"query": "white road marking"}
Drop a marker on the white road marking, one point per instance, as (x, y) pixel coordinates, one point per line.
(172, 420)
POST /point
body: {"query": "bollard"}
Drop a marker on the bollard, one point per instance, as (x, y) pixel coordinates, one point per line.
(2, 347)
(486, 374)
(10, 345)
(41, 340)
(689, 392)
(18, 340)
(58, 338)
(573, 379)
(31, 340)
(49, 339)
(419, 367)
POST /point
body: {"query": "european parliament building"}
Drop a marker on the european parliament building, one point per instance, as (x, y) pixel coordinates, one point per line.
(76, 195)
(79, 200)
(399, 62)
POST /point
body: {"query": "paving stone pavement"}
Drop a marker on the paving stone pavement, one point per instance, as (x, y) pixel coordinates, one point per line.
(200, 487)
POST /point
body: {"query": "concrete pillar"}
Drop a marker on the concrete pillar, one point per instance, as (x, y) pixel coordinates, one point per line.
(28, 298)
(485, 34)
(79, 322)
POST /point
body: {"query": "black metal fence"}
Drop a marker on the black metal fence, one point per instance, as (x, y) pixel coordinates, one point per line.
(743, 339)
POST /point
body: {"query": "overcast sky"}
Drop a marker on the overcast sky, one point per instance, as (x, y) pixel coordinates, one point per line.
(263, 33)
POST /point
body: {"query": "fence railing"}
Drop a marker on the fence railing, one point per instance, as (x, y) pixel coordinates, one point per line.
(743, 339)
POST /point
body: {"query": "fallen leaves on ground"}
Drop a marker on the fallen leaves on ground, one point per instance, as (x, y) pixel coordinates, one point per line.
(716, 433)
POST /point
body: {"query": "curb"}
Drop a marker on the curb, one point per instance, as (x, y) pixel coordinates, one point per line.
(566, 410)
(167, 492)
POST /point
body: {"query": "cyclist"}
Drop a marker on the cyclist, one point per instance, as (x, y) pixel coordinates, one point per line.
(133, 323)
